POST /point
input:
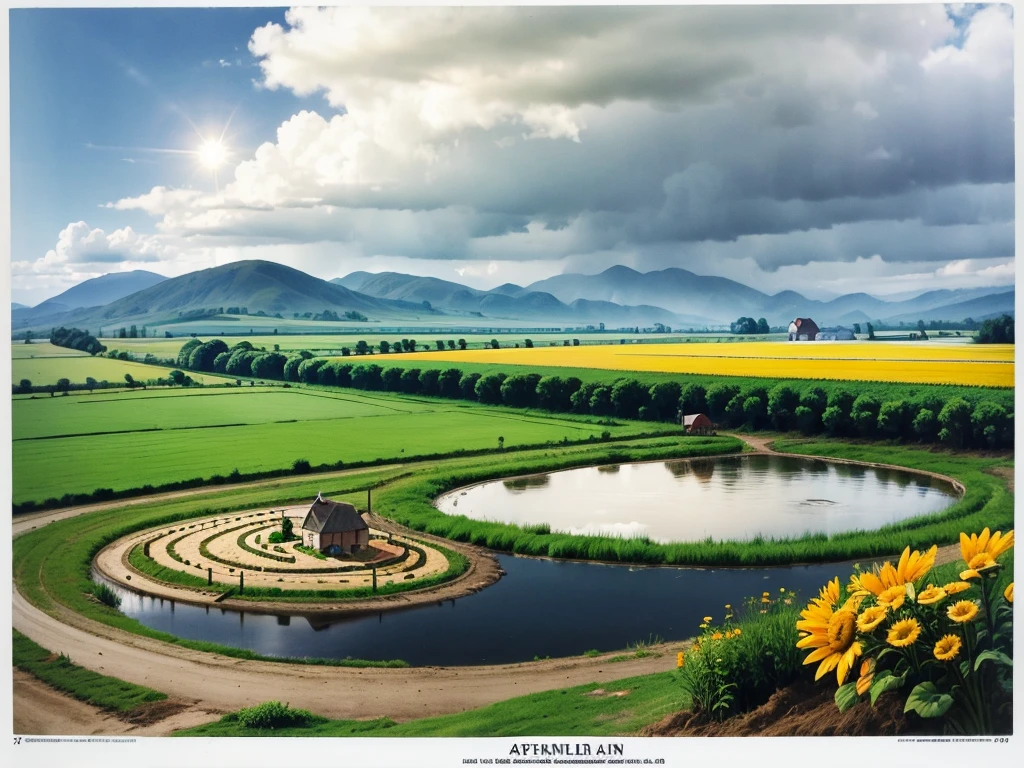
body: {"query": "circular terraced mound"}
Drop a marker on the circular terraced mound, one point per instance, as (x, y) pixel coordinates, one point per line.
(198, 560)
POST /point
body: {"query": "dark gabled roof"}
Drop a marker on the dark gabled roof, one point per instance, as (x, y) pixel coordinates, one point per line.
(326, 516)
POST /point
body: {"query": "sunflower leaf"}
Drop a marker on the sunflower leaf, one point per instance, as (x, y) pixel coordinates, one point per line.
(928, 701)
(846, 696)
(885, 682)
(998, 657)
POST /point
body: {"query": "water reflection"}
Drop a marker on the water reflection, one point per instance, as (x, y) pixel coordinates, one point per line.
(540, 608)
(725, 498)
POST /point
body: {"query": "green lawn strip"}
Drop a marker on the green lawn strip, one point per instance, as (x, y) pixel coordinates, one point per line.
(83, 684)
(568, 711)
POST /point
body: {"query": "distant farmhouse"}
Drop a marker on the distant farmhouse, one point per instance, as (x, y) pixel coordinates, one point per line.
(697, 424)
(803, 329)
(835, 334)
(334, 527)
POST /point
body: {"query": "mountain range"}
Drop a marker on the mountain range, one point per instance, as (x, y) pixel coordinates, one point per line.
(617, 297)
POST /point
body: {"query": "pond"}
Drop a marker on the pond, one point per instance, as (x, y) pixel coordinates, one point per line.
(540, 608)
(729, 498)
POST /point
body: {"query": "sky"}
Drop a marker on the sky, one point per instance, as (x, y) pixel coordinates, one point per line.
(822, 149)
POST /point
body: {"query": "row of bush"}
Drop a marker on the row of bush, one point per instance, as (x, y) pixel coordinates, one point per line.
(784, 406)
(74, 338)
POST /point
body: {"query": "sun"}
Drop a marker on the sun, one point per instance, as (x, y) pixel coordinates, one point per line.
(212, 154)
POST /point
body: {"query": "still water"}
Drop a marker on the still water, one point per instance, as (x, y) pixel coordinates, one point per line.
(540, 608)
(725, 498)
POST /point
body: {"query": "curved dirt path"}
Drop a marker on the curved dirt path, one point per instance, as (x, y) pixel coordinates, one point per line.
(208, 684)
(212, 684)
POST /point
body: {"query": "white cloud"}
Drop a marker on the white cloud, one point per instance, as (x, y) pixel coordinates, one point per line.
(520, 137)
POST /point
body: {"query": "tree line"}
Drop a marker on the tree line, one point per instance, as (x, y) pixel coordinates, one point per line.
(998, 330)
(876, 414)
(73, 338)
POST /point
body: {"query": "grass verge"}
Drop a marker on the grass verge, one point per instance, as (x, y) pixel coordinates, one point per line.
(58, 671)
(578, 711)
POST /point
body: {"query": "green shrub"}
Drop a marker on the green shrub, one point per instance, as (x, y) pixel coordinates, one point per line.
(275, 538)
(274, 714)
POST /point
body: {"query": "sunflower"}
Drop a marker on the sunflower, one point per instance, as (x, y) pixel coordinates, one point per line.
(871, 618)
(931, 595)
(829, 593)
(736, 632)
(977, 565)
(963, 611)
(867, 676)
(707, 619)
(956, 587)
(831, 634)
(680, 661)
(903, 633)
(912, 567)
(717, 636)
(1008, 592)
(992, 544)
(947, 648)
(893, 596)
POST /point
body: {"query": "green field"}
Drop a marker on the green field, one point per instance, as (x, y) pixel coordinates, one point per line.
(157, 437)
(46, 368)
(21, 351)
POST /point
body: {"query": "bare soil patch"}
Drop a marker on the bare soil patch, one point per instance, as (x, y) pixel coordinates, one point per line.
(799, 710)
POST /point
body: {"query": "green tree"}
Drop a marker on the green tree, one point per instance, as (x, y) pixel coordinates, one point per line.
(362, 347)
(520, 390)
(90, 383)
(628, 396)
(762, 326)
(783, 401)
(392, 379)
(955, 422)
(693, 399)
(871, 331)
(664, 400)
(385, 347)
(926, 425)
(895, 419)
(856, 328)
(448, 383)
(528, 343)
(367, 377)
(411, 381)
(834, 420)
(63, 385)
(864, 415)
(718, 398)
(579, 401)
(429, 382)
(488, 388)
(462, 343)
(440, 345)
(25, 385)
(755, 413)
(128, 379)
(601, 401)
(467, 386)
(495, 344)
(997, 330)
(989, 422)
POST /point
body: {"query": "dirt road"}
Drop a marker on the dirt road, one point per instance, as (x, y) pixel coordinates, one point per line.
(210, 683)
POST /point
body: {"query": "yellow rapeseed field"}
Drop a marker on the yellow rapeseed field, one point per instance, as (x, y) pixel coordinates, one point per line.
(920, 363)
